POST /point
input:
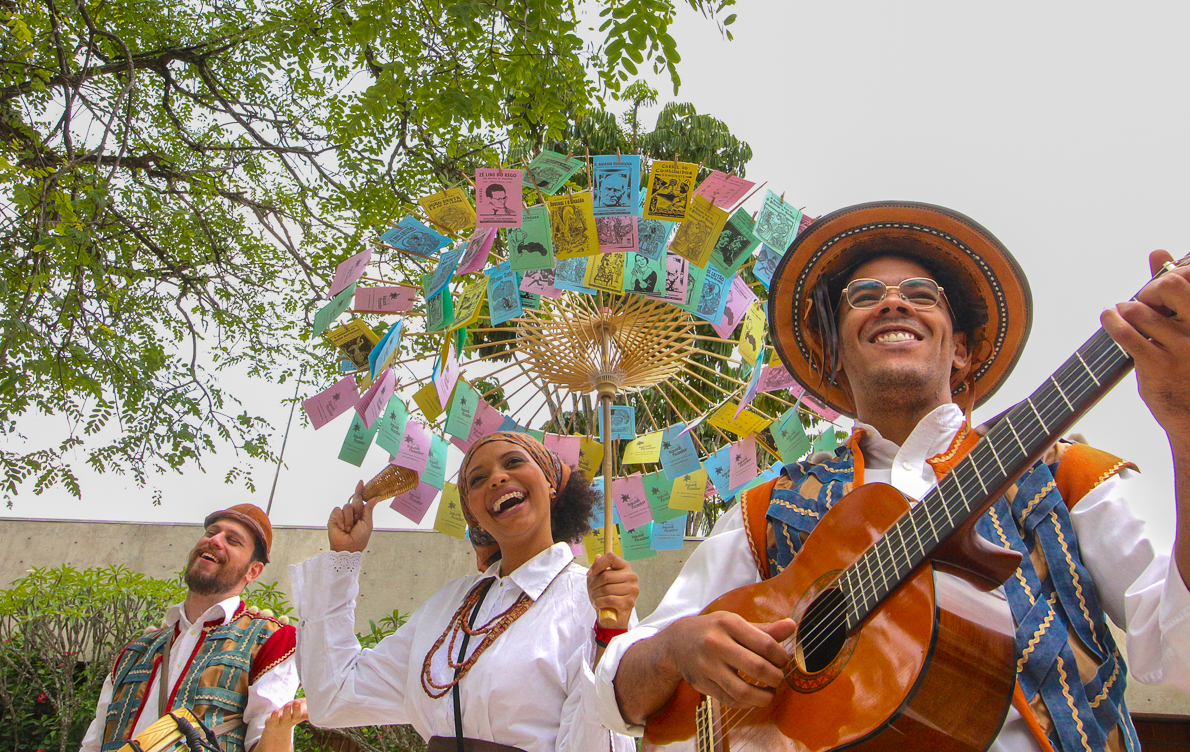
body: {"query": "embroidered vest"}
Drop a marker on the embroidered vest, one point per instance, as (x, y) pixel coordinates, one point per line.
(214, 683)
(1070, 674)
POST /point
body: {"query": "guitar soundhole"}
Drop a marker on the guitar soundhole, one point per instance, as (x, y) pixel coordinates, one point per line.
(822, 631)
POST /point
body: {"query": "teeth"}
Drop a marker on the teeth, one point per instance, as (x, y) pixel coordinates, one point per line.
(507, 500)
(895, 337)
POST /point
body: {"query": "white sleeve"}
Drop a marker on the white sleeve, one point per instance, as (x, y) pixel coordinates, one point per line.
(94, 738)
(269, 692)
(344, 686)
(1138, 587)
(720, 564)
(580, 728)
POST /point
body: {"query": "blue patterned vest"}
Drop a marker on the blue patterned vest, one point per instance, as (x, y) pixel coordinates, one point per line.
(214, 685)
(1068, 666)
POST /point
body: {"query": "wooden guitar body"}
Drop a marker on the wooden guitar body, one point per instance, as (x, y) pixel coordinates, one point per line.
(930, 668)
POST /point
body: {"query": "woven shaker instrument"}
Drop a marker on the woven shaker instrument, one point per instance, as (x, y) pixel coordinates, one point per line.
(389, 482)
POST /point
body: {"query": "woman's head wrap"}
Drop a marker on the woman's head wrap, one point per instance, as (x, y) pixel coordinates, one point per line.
(557, 473)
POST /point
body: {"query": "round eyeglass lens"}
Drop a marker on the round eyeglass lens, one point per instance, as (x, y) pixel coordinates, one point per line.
(920, 292)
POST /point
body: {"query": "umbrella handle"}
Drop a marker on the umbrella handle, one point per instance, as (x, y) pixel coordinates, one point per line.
(607, 391)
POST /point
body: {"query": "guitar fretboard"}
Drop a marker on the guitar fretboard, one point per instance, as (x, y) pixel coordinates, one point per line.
(1010, 447)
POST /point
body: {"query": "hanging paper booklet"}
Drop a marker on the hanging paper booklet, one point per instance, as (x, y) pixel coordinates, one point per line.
(332, 310)
(540, 282)
(652, 237)
(467, 312)
(615, 182)
(726, 190)
(475, 257)
(356, 443)
(778, 222)
(385, 351)
(605, 272)
(504, 299)
(443, 272)
(735, 244)
(391, 426)
(549, 171)
(573, 226)
(713, 296)
(498, 198)
(350, 271)
(695, 276)
(766, 264)
(414, 237)
(331, 403)
(450, 518)
(617, 234)
(449, 209)
(397, 299)
(645, 276)
(739, 298)
(530, 246)
(752, 334)
(671, 185)
(414, 504)
(695, 239)
(355, 339)
(657, 490)
(570, 274)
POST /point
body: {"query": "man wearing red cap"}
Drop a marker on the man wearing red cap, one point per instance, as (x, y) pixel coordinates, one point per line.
(906, 316)
(231, 666)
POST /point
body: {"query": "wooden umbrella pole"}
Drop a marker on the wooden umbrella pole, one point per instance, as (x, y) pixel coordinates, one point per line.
(607, 391)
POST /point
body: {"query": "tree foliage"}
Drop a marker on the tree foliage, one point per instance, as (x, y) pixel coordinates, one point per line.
(181, 178)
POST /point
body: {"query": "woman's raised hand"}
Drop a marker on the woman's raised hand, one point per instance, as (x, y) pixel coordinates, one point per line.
(350, 526)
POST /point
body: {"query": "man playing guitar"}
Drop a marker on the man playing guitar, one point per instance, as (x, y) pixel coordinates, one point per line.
(905, 316)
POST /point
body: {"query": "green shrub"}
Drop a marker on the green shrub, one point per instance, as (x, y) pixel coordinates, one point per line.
(60, 631)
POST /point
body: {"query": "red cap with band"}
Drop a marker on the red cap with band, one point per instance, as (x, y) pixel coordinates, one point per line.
(251, 517)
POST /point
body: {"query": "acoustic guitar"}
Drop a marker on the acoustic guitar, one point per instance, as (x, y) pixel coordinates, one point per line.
(900, 645)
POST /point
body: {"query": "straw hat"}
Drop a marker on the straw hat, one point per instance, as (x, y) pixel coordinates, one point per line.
(977, 268)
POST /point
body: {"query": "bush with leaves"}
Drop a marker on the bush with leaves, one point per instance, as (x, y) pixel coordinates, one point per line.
(60, 631)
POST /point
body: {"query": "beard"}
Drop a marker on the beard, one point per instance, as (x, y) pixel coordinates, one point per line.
(908, 389)
(221, 580)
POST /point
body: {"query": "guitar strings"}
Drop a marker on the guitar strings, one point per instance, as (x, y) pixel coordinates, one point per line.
(1054, 399)
(928, 503)
(1101, 351)
(815, 639)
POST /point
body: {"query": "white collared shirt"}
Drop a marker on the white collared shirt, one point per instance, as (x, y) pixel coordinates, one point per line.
(1139, 589)
(532, 688)
(270, 691)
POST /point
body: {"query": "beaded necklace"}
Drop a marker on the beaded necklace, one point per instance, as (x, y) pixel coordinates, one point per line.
(495, 627)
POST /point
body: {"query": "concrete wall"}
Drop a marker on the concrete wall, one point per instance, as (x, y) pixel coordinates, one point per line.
(401, 569)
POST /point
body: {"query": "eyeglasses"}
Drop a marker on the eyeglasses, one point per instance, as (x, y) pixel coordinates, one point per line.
(920, 292)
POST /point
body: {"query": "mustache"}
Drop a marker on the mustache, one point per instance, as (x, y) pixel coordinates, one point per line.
(198, 552)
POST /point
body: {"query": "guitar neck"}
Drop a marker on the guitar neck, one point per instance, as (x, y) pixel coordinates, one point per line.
(1013, 444)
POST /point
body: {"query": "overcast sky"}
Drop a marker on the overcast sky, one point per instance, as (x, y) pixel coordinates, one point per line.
(1059, 128)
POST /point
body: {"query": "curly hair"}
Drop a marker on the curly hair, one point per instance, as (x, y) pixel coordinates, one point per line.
(570, 517)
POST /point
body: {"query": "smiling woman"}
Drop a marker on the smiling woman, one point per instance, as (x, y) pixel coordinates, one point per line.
(459, 667)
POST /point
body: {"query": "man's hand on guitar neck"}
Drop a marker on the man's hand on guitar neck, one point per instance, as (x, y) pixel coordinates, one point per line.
(709, 652)
(1155, 330)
